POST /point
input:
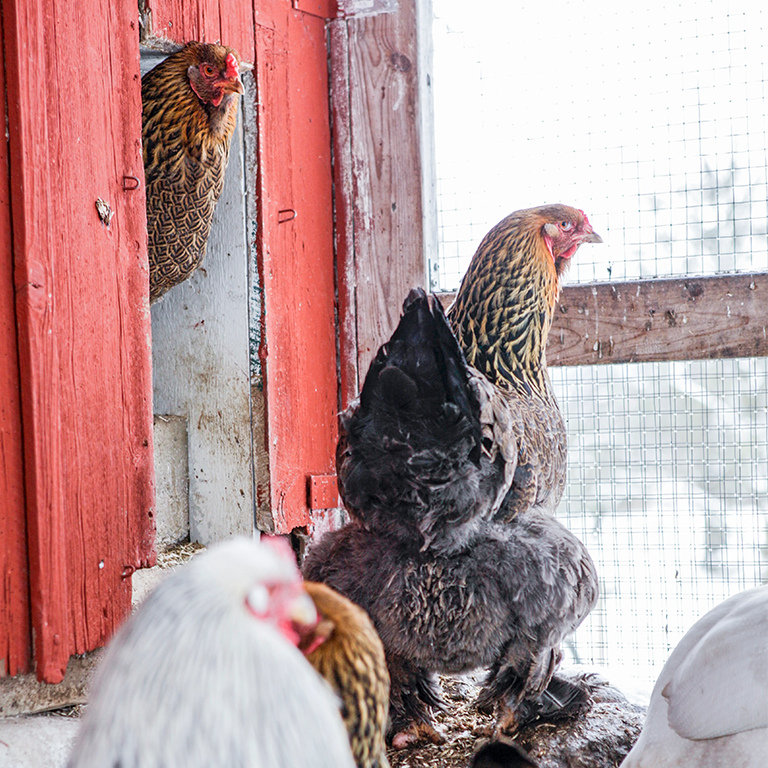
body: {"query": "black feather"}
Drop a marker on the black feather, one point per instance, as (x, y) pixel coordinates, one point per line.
(411, 463)
(506, 600)
(562, 700)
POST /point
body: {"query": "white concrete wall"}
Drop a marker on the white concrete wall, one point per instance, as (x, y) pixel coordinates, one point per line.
(200, 338)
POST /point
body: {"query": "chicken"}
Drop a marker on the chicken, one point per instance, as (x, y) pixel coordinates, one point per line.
(450, 479)
(709, 707)
(345, 649)
(206, 673)
(501, 317)
(189, 112)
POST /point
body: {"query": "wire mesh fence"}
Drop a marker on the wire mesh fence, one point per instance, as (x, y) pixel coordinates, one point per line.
(653, 121)
(668, 487)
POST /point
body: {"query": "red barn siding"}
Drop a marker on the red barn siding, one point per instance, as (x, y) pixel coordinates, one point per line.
(76, 419)
(295, 244)
(14, 586)
(228, 21)
(74, 119)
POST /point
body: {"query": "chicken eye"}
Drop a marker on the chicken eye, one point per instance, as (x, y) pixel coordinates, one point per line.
(208, 70)
(258, 600)
(566, 225)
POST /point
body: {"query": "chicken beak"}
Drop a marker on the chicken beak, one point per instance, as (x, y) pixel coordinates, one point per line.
(302, 611)
(234, 85)
(591, 237)
(299, 617)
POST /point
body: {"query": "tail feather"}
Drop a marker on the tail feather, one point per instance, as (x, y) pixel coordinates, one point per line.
(422, 370)
(411, 448)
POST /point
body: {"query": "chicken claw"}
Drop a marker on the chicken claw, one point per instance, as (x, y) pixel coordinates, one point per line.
(416, 734)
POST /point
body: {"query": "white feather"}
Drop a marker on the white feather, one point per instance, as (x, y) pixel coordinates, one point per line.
(709, 707)
(194, 680)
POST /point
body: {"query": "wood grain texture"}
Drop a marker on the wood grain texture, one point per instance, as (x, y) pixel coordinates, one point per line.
(15, 630)
(688, 319)
(380, 150)
(229, 22)
(344, 206)
(696, 318)
(83, 317)
(296, 262)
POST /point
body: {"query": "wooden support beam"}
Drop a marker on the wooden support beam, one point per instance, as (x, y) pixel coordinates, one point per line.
(377, 102)
(695, 318)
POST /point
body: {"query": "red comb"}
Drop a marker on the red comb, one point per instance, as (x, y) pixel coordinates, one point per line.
(233, 67)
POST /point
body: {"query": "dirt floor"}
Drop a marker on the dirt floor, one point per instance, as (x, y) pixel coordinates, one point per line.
(464, 728)
(599, 738)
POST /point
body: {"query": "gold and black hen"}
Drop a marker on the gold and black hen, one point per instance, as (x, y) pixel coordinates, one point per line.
(189, 113)
(501, 317)
(345, 649)
(451, 472)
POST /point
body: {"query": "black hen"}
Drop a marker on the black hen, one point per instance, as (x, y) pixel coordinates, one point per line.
(429, 457)
(428, 449)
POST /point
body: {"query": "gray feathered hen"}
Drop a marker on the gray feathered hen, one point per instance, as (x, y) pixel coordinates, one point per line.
(452, 580)
(206, 673)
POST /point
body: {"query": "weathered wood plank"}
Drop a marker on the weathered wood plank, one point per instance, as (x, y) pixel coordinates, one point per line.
(296, 260)
(344, 204)
(385, 204)
(688, 319)
(694, 318)
(83, 318)
(15, 634)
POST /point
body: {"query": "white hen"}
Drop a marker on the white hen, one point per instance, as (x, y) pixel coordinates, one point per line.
(709, 707)
(206, 674)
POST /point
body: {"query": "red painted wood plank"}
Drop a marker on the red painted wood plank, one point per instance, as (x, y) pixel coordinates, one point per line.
(15, 630)
(83, 317)
(295, 245)
(228, 21)
(324, 9)
(24, 30)
(323, 492)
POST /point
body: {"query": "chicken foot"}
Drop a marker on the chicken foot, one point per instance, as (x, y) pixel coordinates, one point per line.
(413, 694)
